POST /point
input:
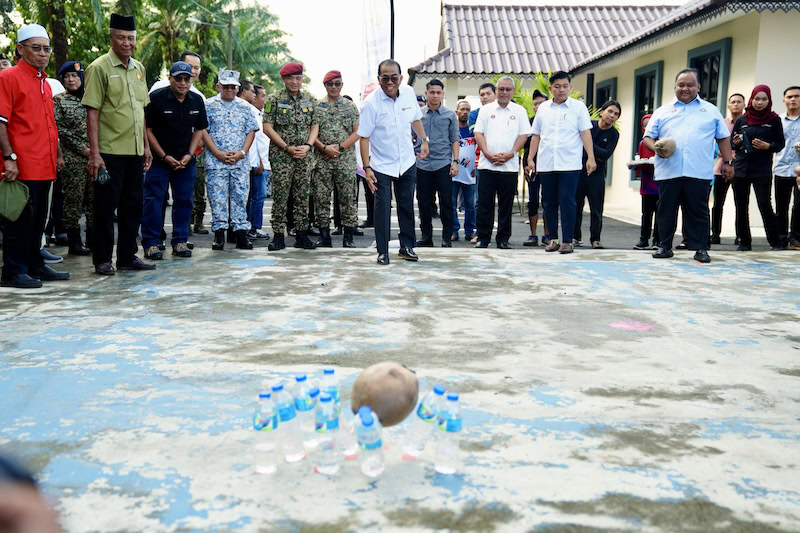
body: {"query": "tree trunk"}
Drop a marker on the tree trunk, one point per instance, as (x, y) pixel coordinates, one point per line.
(58, 31)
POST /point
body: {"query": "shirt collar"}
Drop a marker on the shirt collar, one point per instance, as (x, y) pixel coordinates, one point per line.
(696, 99)
(787, 117)
(427, 109)
(117, 62)
(565, 103)
(31, 70)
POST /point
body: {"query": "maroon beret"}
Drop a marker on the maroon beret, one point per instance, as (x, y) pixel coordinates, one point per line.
(290, 69)
(332, 75)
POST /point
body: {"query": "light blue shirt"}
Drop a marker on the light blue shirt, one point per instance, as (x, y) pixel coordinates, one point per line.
(787, 159)
(694, 127)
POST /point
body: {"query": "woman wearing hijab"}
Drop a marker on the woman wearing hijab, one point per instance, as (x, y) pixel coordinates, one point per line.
(76, 181)
(756, 136)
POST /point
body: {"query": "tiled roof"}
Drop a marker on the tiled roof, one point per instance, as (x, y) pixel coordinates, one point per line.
(483, 40)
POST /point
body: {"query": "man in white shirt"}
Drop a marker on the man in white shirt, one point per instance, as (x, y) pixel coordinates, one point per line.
(385, 144)
(259, 170)
(562, 130)
(500, 131)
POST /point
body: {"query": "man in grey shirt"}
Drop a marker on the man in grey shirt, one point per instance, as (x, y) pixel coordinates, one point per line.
(435, 172)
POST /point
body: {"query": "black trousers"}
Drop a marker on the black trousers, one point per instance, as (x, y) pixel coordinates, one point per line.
(721, 187)
(593, 188)
(691, 194)
(504, 185)
(55, 225)
(22, 238)
(123, 193)
(404, 196)
(763, 189)
(785, 187)
(649, 209)
(438, 182)
(369, 197)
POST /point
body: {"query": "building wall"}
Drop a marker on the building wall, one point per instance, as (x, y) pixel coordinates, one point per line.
(777, 54)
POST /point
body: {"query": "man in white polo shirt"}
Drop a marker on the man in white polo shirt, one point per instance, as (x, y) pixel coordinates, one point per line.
(500, 131)
(562, 130)
(386, 147)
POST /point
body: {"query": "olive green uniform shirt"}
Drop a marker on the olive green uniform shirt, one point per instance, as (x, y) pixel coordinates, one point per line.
(290, 116)
(120, 95)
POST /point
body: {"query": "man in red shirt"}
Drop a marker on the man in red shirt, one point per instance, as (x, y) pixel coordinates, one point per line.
(29, 141)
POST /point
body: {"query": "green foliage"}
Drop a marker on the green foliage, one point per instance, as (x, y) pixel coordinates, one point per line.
(524, 97)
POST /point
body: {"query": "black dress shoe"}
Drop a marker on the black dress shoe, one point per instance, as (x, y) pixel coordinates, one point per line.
(744, 248)
(715, 239)
(663, 253)
(683, 245)
(357, 232)
(383, 259)
(504, 245)
(408, 254)
(337, 231)
(45, 273)
(447, 244)
(702, 256)
(482, 244)
(21, 281)
(366, 224)
(104, 269)
(135, 264)
(425, 243)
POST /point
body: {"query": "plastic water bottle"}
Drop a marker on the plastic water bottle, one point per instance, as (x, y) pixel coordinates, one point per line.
(265, 422)
(291, 440)
(425, 421)
(348, 444)
(447, 446)
(304, 403)
(371, 443)
(330, 385)
(327, 428)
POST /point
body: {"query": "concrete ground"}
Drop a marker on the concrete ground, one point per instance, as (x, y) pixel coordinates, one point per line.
(602, 391)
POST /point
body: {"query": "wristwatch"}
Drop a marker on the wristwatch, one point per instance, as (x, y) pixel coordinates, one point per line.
(341, 148)
(367, 168)
(11, 157)
(729, 162)
(309, 146)
(427, 139)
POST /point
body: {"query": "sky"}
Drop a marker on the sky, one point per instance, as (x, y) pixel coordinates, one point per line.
(327, 34)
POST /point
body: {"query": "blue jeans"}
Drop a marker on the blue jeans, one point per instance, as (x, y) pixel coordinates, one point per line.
(156, 181)
(559, 189)
(469, 208)
(255, 202)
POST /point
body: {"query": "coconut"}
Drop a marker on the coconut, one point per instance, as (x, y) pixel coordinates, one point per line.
(665, 148)
(389, 389)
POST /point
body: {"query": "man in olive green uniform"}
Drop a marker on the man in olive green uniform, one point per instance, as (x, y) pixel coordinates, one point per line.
(116, 95)
(290, 123)
(336, 161)
(76, 182)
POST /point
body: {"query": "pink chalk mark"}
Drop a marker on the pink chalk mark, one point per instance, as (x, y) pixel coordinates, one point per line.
(632, 326)
(407, 457)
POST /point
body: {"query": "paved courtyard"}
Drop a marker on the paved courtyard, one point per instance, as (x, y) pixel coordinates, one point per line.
(602, 391)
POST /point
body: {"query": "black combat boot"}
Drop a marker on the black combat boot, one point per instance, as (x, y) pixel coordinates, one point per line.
(324, 240)
(277, 243)
(76, 247)
(242, 242)
(301, 240)
(89, 238)
(219, 240)
(347, 240)
(231, 234)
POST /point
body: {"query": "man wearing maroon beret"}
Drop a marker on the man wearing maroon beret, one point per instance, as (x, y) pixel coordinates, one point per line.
(291, 124)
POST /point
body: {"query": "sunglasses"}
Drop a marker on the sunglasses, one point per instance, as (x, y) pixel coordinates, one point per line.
(230, 87)
(333, 84)
(386, 79)
(38, 48)
(183, 79)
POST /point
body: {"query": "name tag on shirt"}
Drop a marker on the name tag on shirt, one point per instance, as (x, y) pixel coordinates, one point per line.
(114, 76)
(193, 112)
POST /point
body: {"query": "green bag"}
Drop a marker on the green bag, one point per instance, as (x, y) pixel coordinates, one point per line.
(13, 199)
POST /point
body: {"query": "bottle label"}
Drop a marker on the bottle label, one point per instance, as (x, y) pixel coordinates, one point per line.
(319, 425)
(375, 445)
(334, 393)
(425, 412)
(333, 423)
(286, 412)
(451, 425)
(264, 423)
(303, 403)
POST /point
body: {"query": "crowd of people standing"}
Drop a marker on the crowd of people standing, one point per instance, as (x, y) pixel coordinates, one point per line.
(118, 150)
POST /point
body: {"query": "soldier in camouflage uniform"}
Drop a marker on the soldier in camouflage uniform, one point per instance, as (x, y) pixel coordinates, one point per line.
(336, 163)
(76, 182)
(199, 206)
(290, 123)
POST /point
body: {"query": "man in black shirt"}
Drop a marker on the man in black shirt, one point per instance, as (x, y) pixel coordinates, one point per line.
(175, 119)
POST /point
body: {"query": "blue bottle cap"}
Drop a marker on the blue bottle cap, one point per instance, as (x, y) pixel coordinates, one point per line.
(366, 419)
(324, 397)
(313, 392)
(328, 371)
(453, 397)
(363, 410)
(438, 389)
(300, 378)
(277, 388)
(265, 394)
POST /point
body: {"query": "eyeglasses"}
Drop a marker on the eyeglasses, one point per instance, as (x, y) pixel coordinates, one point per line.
(38, 48)
(393, 78)
(505, 89)
(230, 87)
(333, 84)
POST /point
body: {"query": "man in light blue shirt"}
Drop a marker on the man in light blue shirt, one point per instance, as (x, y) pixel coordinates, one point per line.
(783, 169)
(682, 134)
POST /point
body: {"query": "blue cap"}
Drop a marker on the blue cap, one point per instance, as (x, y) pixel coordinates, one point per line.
(364, 409)
(324, 397)
(265, 394)
(300, 378)
(453, 397)
(277, 388)
(366, 418)
(313, 392)
(438, 389)
(328, 371)
(180, 67)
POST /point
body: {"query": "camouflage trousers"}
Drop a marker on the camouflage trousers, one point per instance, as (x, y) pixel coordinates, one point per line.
(200, 189)
(326, 177)
(290, 176)
(228, 186)
(78, 191)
